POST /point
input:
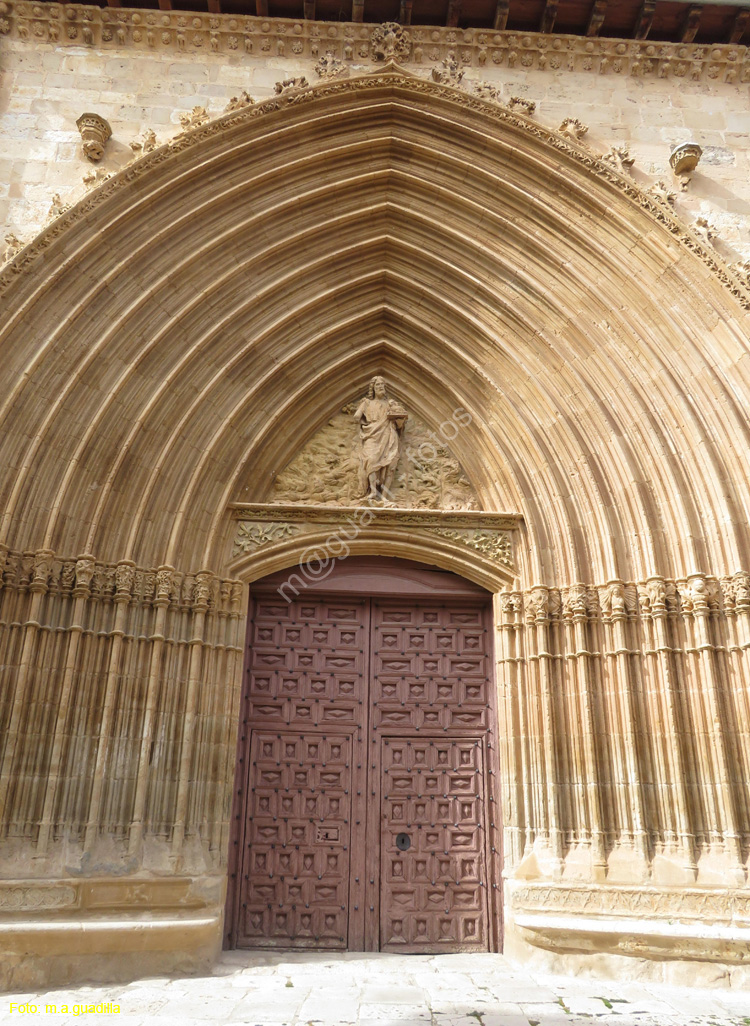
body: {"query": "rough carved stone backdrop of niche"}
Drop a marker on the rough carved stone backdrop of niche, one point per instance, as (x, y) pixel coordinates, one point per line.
(325, 471)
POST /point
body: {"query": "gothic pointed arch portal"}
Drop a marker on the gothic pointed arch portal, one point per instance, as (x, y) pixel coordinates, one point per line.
(179, 336)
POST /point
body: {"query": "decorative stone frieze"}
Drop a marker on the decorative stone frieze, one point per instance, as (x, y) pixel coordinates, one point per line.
(36, 897)
(251, 536)
(264, 524)
(613, 901)
(497, 546)
(200, 32)
(95, 131)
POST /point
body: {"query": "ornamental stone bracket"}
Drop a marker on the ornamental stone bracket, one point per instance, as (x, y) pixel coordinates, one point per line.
(332, 531)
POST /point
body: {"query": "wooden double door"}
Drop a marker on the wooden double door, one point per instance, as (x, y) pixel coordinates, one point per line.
(365, 808)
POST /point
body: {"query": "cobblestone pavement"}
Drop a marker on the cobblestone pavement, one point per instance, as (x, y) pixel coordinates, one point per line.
(379, 990)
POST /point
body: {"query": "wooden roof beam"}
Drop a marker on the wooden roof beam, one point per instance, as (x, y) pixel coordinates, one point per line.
(501, 15)
(596, 20)
(645, 19)
(114, 3)
(165, 5)
(358, 10)
(261, 8)
(691, 23)
(740, 26)
(405, 13)
(548, 16)
(454, 13)
(214, 6)
(309, 7)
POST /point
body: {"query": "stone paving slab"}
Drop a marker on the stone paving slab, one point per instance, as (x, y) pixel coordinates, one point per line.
(319, 989)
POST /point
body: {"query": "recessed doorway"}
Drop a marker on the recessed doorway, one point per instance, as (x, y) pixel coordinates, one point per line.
(365, 801)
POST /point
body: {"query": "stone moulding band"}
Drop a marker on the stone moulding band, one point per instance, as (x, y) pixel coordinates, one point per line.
(384, 515)
(611, 902)
(725, 943)
(262, 524)
(197, 33)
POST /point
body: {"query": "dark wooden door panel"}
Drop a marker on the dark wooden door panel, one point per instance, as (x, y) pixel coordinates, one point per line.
(430, 668)
(364, 719)
(434, 895)
(297, 842)
(307, 663)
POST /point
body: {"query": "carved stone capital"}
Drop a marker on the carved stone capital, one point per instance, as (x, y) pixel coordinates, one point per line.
(84, 572)
(164, 577)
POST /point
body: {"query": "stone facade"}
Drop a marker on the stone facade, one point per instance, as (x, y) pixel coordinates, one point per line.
(283, 212)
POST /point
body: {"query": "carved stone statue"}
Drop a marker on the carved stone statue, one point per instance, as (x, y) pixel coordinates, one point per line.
(381, 424)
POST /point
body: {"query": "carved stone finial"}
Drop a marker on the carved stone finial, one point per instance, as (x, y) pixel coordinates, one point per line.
(94, 176)
(390, 42)
(330, 66)
(487, 91)
(192, 119)
(683, 160)
(95, 132)
(144, 143)
(450, 73)
(741, 269)
(57, 207)
(705, 231)
(291, 85)
(381, 424)
(13, 247)
(573, 129)
(526, 107)
(663, 193)
(619, 157)
(238, 102)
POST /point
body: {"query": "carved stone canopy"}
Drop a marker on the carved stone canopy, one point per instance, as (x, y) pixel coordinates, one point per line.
(95, 132)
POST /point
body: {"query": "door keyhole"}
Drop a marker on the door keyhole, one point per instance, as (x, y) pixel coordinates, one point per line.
(403, 842)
